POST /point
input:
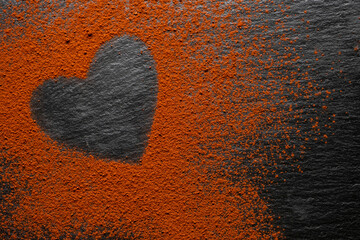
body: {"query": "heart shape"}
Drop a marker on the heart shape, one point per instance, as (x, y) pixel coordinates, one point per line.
(110, 113)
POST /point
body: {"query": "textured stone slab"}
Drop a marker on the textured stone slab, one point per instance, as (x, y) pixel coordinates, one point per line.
(110, 113)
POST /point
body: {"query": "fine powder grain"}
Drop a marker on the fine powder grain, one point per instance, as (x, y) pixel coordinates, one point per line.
(109, 114)
(226, 84)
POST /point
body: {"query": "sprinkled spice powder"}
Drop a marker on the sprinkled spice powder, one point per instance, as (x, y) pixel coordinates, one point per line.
(225, 96)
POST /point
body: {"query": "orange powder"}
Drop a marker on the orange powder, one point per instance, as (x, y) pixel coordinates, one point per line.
(196, 179)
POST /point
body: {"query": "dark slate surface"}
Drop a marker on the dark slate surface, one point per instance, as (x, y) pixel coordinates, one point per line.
(110, 113)
(323, 202)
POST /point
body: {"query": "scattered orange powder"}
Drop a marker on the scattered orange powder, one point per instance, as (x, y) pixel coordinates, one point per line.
(212, 97)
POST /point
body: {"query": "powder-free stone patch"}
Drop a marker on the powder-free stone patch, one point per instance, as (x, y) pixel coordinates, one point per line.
(110, 113)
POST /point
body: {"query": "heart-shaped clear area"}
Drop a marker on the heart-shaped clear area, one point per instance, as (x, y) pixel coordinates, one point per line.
(110, 113)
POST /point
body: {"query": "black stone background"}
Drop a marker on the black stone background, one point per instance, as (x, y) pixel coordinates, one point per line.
(323, 201)
(108, 114)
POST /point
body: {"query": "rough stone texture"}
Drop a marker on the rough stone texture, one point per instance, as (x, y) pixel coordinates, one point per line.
(110, 113)
(323, 202)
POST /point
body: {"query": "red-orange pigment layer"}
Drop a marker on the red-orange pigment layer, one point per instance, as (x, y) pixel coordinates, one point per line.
(215, 104)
